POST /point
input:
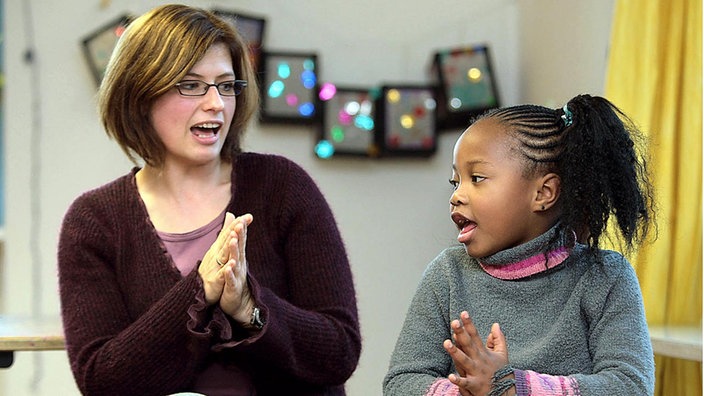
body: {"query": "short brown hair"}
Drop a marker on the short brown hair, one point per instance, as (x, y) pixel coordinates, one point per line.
(154, 53)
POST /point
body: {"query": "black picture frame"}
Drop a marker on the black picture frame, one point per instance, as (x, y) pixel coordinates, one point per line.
(99, 44)
(466, 84)
(289, 87)
(348, 121)
(406, 120)
(252, 28)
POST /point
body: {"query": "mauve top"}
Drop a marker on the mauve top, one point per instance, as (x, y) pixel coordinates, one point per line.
(186, 249)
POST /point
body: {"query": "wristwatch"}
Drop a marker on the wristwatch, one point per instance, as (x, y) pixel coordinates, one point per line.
(256, 321)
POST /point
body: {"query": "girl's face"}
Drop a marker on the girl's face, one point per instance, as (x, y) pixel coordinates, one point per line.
(193, 128)
(491, 203)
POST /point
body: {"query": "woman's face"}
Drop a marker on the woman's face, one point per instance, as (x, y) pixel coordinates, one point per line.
(491, 204)
(193, 128)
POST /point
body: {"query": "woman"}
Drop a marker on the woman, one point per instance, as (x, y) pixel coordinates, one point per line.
(162, 289)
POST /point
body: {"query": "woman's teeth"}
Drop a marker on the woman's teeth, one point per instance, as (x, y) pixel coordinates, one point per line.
(207, 129)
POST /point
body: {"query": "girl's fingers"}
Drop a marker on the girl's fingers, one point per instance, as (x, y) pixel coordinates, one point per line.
(471, 330)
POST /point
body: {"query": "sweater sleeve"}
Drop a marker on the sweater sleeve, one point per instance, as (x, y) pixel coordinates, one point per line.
(619, 338)
(311, 333)
(110, 350)
(622, 355)
(419, 364)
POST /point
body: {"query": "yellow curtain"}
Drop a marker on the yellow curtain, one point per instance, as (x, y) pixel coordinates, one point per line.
(655, 76)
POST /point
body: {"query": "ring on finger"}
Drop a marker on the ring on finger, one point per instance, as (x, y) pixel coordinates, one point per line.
(220, 263)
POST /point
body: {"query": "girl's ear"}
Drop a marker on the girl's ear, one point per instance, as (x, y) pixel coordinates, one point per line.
(547, 193)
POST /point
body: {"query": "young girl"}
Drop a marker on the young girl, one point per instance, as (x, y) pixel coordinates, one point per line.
(533, 189)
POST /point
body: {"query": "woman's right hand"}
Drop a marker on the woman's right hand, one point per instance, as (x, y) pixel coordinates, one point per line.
(210, 270)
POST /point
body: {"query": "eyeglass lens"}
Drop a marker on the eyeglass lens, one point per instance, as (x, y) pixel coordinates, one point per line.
(200, 88)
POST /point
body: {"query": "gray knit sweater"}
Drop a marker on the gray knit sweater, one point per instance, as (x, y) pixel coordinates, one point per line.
(583, 319)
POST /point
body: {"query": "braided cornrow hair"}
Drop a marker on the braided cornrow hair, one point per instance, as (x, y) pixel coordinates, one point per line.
(597, 152)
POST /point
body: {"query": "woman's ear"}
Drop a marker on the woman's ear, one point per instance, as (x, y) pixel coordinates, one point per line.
(547, 193)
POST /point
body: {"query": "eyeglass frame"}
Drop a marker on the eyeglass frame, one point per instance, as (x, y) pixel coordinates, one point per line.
(235, 84)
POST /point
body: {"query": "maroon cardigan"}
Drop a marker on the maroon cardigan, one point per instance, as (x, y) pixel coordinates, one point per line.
(133, 325)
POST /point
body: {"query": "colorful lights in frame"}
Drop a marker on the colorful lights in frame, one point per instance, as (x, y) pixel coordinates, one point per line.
(348, 121)
(98, 46)
(289, 87)
(252, 30)
(406, 121)
(467, 85)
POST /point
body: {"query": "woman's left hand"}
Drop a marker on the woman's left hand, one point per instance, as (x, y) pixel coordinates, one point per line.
(210, 269)
(475, 361)
(236, 299)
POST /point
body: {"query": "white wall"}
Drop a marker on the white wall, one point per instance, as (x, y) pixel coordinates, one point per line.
(392, 213)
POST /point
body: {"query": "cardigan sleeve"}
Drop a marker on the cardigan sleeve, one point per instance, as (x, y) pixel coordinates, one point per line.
(110, 350)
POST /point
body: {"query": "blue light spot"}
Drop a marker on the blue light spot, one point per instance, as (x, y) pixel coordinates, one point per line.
(306, 109)
(276, 88)
(364, 122)
(308, 79)
(284, 70)
(308, 64)
(324, 149)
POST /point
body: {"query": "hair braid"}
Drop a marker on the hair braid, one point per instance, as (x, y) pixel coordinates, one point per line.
(596, 157)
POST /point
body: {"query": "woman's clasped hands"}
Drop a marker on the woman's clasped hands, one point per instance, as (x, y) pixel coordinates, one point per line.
(476, 362)
(224, 269)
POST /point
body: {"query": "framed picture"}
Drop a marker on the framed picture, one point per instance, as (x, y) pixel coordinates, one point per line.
(467, 86)
(347, 124)
(406, 120)
(251, 28)
(289, 87)
(98, 46)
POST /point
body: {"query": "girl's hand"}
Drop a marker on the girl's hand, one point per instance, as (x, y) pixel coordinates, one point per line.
(210, 270)
(236, 299)
(476, 362)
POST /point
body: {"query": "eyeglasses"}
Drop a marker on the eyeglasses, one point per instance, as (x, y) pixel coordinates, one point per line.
(200, 88)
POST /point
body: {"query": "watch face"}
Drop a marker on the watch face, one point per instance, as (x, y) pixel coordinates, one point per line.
(256, 320)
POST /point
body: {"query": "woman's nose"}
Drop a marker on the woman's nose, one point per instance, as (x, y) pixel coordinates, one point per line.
(213, 99)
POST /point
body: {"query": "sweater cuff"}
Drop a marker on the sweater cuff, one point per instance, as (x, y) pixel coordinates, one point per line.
(443, 387)
(531, 383)
(522, 387)
(233, 334)
(201, 317)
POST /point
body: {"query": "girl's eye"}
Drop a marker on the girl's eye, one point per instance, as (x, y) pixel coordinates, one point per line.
(477, 179)
(454, 184)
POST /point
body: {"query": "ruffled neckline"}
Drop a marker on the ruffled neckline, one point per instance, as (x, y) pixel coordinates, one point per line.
(528, 259)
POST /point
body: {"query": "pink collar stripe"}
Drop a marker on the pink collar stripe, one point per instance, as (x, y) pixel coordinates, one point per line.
(527, 267)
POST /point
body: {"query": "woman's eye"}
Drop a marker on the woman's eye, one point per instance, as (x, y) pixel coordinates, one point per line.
(189, 85)
(228, 86)
(477, 179)
(454, 184)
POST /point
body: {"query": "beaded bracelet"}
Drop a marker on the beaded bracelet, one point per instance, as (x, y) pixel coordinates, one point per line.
(498, 385)
(501, 387)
